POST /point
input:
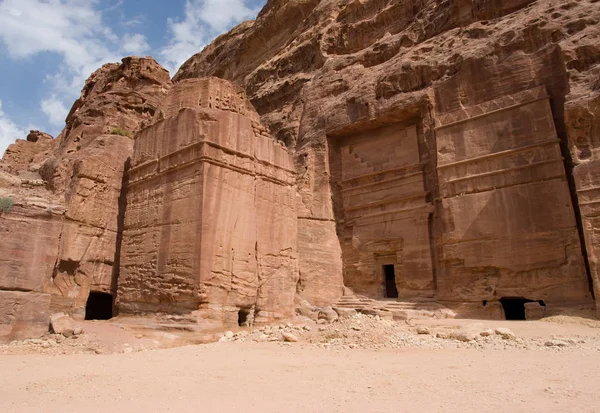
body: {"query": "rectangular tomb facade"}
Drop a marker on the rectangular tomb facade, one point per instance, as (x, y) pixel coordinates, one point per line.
(508, 222)
(382, 212)
(211, 224)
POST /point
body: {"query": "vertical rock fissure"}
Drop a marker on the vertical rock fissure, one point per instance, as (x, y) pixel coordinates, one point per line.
(122, 206)
(428, 128)
(569, 171)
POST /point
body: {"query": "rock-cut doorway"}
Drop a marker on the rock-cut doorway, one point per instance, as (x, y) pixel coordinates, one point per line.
(389, 273)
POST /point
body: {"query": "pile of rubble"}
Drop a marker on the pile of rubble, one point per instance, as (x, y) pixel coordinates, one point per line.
(360, 331)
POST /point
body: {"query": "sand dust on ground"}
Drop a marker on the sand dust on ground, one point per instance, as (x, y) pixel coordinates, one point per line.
(362, 364)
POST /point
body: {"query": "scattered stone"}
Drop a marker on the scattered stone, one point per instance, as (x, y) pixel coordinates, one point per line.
(61, 323)
(307, 328)
(487, 333)
(289, 337)
(327, 314)
(423, 330)
(505, 333)
(229, 334)
(556, 343)
(344, 312)
(464, 336)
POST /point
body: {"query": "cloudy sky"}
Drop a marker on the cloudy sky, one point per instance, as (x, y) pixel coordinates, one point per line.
(48, 48)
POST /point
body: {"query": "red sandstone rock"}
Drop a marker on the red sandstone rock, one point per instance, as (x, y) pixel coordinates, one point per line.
(63, 232)
(476, 203)
(455, 141)
(29, 154)
(211, 217)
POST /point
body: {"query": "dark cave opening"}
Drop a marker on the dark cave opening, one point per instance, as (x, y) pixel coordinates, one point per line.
(99, 306)
(243, 317)
(514, 307)
(391, 291)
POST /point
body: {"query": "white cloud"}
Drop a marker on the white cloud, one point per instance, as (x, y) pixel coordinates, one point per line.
(9, 131)
(203, 20)
(135, 44)
(55, 110)
(75, 30)
(221, 15)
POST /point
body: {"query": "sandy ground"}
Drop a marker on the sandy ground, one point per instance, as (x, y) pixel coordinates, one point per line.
(321, 373)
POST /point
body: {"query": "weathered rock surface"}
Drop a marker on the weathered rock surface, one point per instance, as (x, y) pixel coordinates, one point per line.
(28, 154)
(211, 218)
(61, 236)
(60, 323)
(89, 170)
(438, 151)
(437, 135)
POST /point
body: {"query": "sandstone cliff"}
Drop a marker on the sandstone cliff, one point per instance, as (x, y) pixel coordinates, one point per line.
(480, 101)
(437, 151)
(62, 231)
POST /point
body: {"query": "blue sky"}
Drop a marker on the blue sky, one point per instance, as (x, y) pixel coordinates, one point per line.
(48, 48)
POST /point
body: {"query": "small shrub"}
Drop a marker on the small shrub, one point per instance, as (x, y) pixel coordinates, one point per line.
(121, 132)
(6, 204)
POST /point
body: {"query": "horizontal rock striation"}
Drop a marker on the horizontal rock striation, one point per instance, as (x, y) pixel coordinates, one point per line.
(502, 96)
(211, 222)
(436, 151)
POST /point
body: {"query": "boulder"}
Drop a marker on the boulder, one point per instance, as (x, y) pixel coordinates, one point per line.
(328, 314)
(61, 323)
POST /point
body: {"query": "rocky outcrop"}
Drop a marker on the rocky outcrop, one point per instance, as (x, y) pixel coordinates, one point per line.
(437, 135)
(210, 227)
(64, 226)
(437, 152)
(28, 154)
(88, 169)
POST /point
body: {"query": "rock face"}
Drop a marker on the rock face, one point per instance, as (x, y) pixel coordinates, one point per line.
(437, 135)
(29, 154)
(211, 222)
(437, 151)
(61, 235)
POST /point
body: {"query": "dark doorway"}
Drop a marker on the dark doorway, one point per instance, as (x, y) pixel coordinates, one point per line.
(514, 308)
(243, 318)
(99, 306)
(391, 291)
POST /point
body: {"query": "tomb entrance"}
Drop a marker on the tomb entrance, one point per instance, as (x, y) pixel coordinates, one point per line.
(382, 212)
(99, 306)
(389, 273)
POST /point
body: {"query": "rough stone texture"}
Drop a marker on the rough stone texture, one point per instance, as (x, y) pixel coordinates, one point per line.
(88, 169)
(23, 315)
(499, 168)
(116, 96)
(211, 218)
(582, 120)
(60, 323)
(383, 213)
(61, 237)
(496, 92)
(28, 154)
(456, 141)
